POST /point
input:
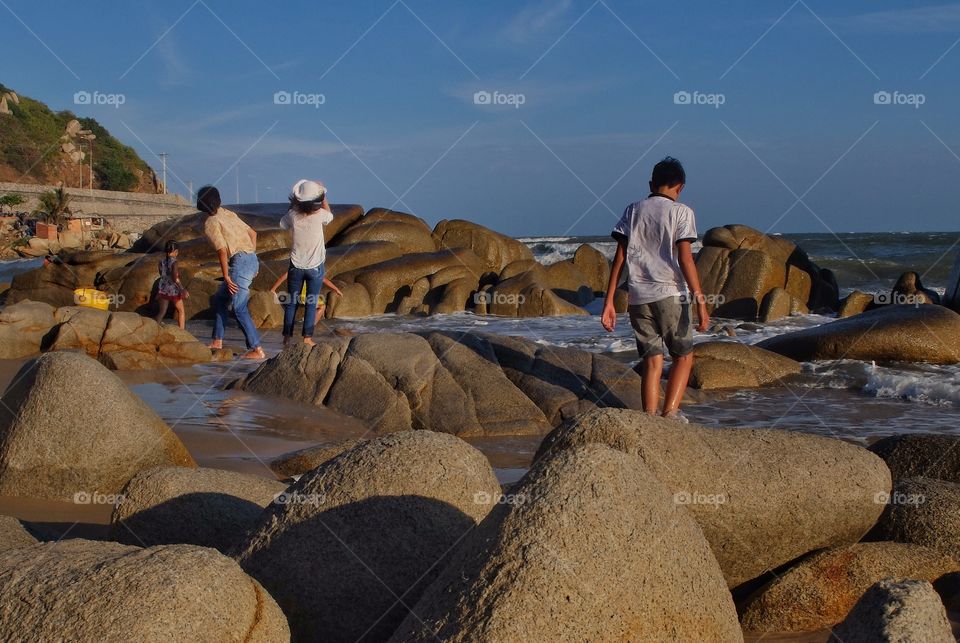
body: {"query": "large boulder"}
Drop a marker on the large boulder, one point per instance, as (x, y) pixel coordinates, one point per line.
(358, 539)
(179, 505)
(781, 494)
(69, 426)
(594, 265)
(589, 546)
(125, 340)
(896, 610)
(13, 535)
(892, 333)
(23, 327)
(411, 234)
(530, 294)
(923, 511)
(567, 282)
(855, 303)
(734, 365)
(742, 266)
(495, 249)
(925, 455)
(79, 590)
(388, 282)
(821, 590)
(462, 383)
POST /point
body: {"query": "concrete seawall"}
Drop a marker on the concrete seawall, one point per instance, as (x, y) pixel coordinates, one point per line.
(125, 211)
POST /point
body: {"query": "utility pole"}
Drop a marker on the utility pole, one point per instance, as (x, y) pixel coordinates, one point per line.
(163, 158)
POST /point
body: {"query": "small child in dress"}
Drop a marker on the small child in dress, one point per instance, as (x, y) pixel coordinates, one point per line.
(170, 289)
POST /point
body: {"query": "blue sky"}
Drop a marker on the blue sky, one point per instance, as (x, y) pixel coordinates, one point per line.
(798, 143)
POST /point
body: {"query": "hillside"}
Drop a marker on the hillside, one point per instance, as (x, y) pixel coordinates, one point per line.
(38, 145)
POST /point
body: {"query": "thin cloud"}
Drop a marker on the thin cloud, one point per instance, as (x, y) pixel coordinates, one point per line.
(929, 19)
(532, 22)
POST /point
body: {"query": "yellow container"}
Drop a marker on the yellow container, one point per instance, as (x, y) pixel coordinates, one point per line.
(91, 298)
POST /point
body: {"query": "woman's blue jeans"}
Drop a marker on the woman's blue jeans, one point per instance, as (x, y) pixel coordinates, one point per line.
(296, 278)
(244, 266)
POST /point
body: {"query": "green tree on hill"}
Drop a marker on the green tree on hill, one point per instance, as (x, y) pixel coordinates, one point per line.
(10, 201)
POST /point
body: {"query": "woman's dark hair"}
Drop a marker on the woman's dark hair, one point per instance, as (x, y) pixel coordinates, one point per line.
(208, 199)
(171, 246)
(306, 207)
(667, 173)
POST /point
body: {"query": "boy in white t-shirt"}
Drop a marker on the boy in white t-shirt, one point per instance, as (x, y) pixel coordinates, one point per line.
(654, 239)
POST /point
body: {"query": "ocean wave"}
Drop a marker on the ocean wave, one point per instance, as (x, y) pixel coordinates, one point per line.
(937, 387)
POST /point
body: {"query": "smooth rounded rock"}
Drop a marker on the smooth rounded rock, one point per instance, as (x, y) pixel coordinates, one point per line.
(355, 541)
(896, 611)
(763, 497)
(589, 546)
(69, 426)
(86, 591)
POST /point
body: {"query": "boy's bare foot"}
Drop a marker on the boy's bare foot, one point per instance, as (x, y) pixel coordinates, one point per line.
(254, 353)
(309, 341)
(215, 345)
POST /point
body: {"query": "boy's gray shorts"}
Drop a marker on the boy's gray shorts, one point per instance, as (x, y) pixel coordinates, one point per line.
(664, 323)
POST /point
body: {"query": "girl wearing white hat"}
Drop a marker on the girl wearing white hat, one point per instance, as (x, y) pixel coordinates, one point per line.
(309, 212)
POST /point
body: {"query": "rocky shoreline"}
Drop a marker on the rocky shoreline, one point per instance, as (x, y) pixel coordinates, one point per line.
(757, 531)
(624, 527)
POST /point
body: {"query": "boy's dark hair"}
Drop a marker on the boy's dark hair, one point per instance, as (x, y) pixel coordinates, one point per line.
(171, 246)
(667, 173)
(208, 199)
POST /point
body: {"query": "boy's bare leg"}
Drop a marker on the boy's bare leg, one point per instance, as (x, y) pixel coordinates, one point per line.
(651, 371)
(677, 382)
(163, 303)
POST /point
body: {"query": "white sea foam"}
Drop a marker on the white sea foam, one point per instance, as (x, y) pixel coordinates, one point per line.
(939, 386)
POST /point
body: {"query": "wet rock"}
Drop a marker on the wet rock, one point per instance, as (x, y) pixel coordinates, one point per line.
(855, 303)
(733, 365)
(301, 461)
(891, 333)
(924, 455)
(23, 327)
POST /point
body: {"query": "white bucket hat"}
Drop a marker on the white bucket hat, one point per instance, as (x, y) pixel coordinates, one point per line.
(306, 191)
